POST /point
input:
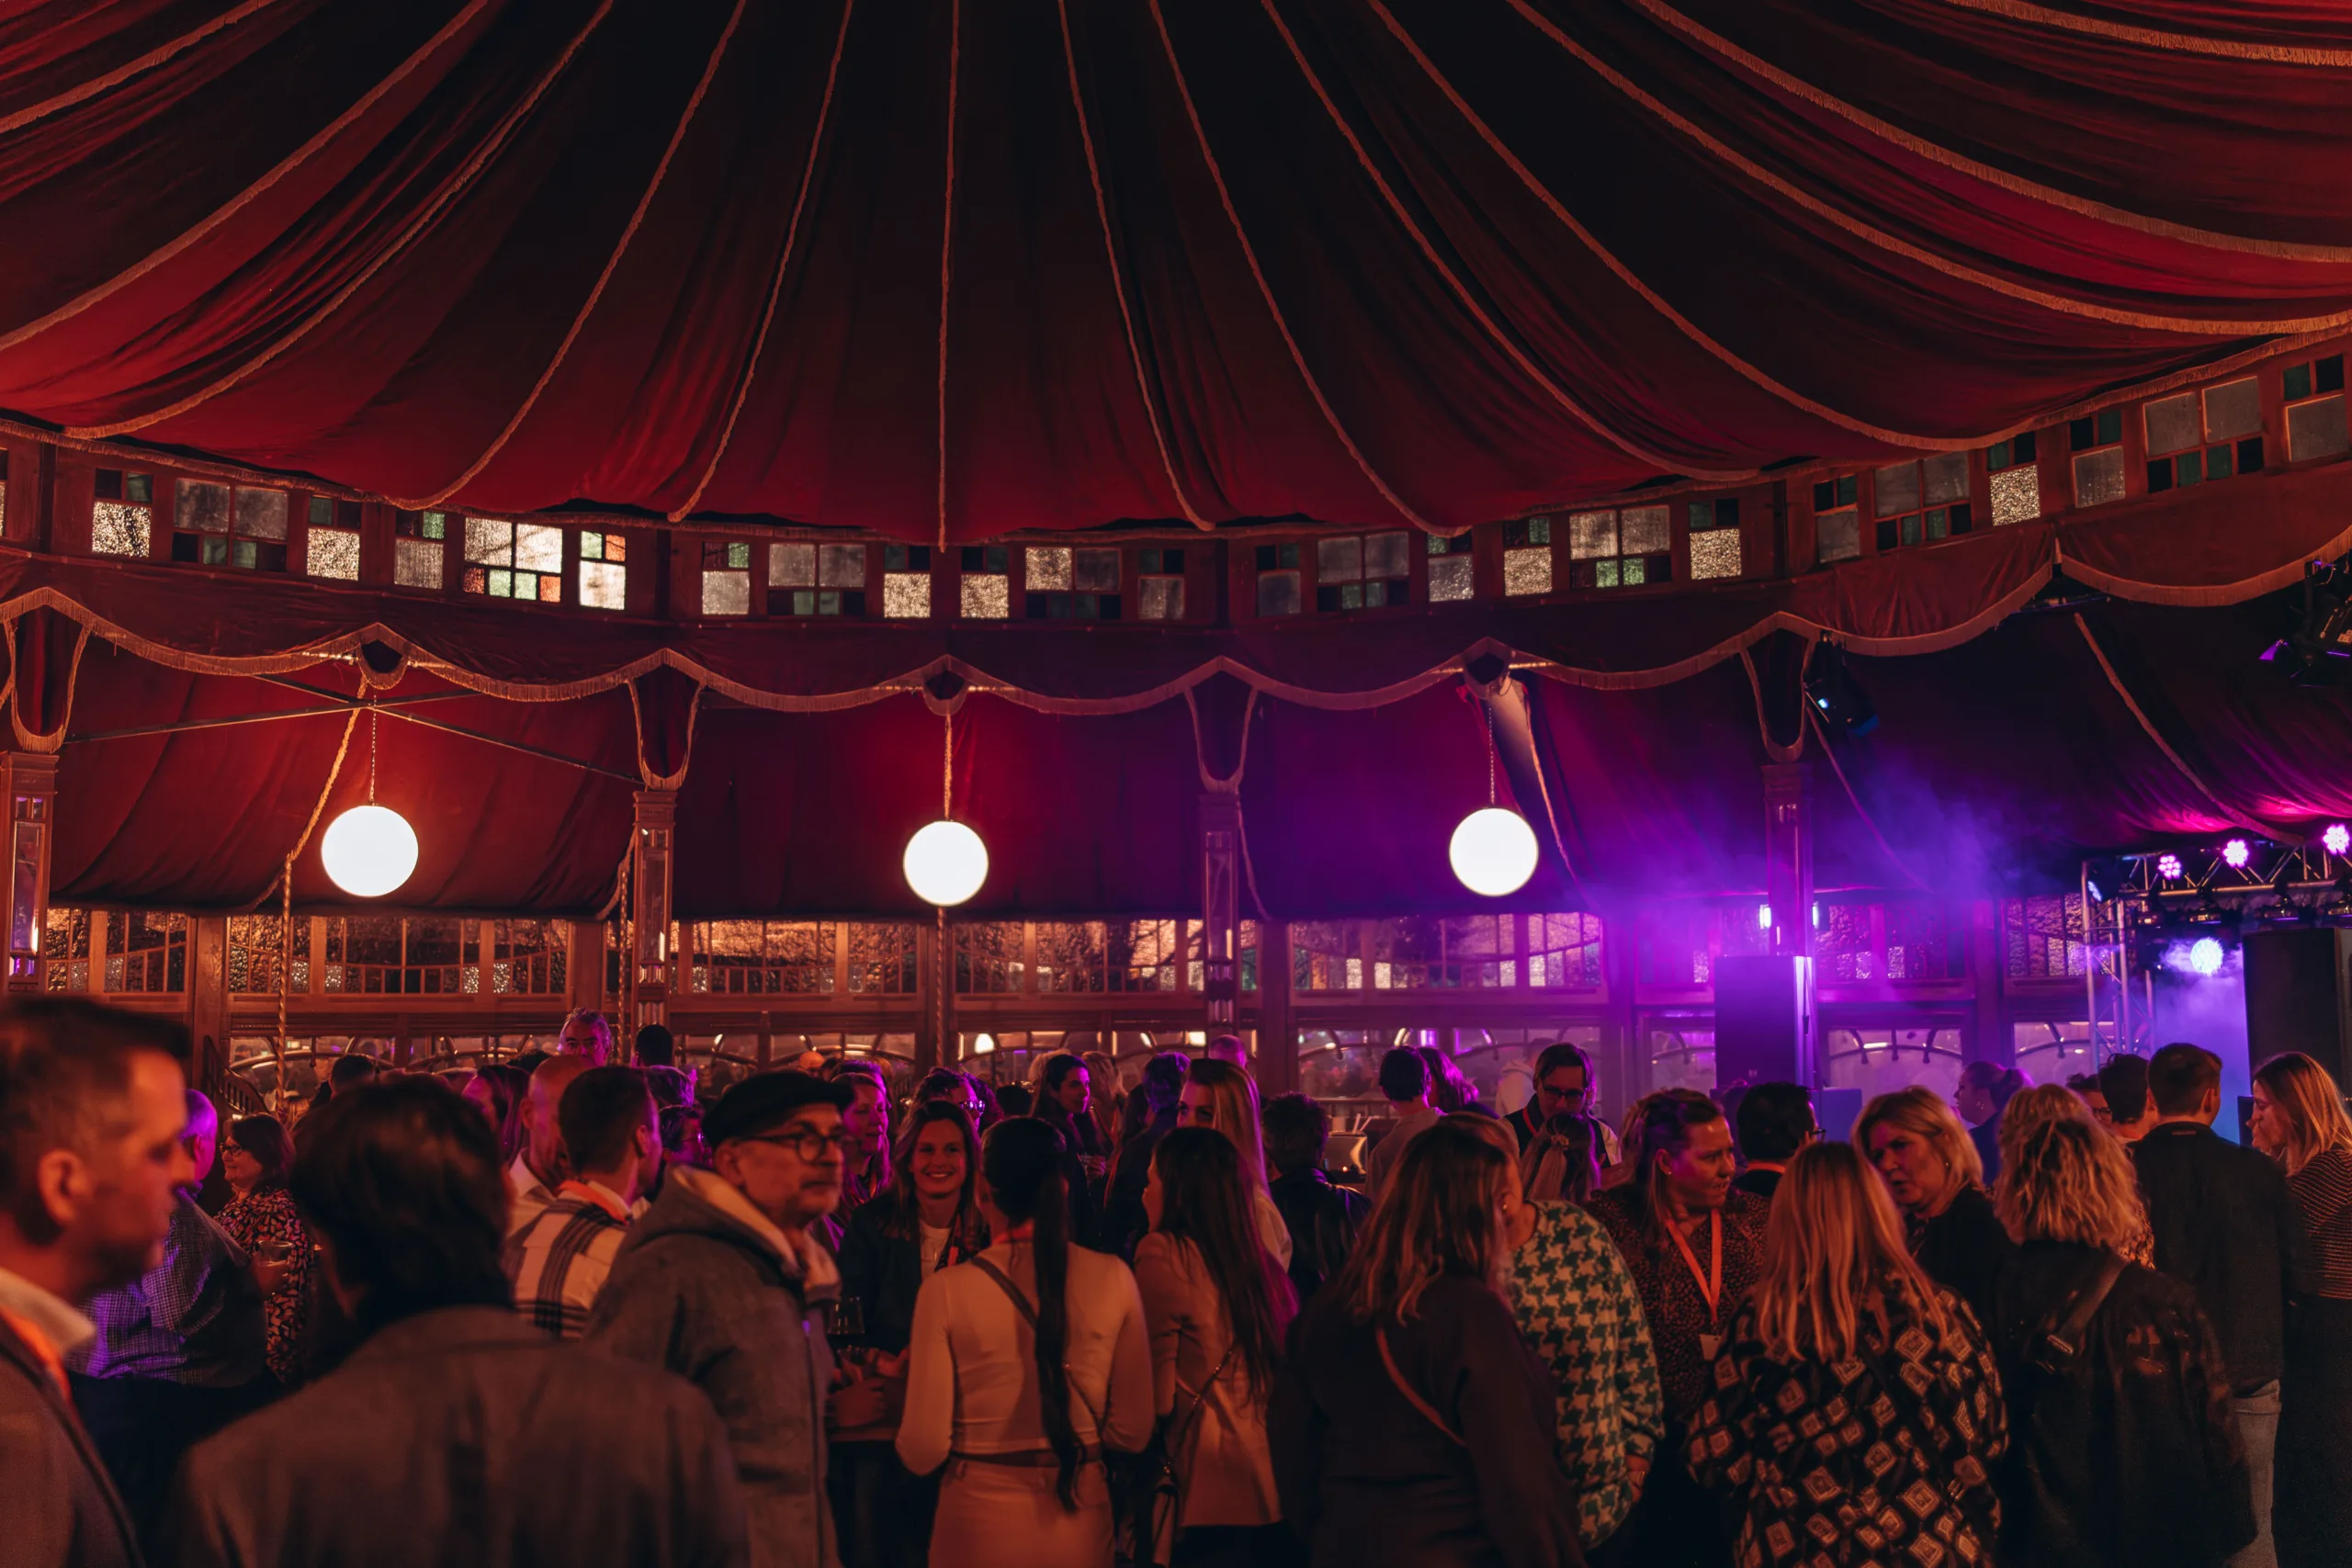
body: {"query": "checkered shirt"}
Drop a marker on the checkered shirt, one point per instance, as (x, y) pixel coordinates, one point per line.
(559, 1261)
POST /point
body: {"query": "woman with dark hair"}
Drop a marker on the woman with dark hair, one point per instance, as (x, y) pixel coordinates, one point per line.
(1847, 1341)
(1149, 1116)
(927, 1221)
(497, 1091)
(1218, 1307)
(1411, 1424)
(1025, 1364)
(256, 1159)
(1065, 1093)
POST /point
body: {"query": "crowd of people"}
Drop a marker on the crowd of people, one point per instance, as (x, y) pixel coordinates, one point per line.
(570, 1311)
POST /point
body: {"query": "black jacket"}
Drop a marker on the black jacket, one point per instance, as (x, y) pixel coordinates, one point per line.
(1964, 1249)
(2227, 1228)
(1323, 1222)
(1123, 1221)
(884, 1274)
(1369, 1479)
(2131, 1460)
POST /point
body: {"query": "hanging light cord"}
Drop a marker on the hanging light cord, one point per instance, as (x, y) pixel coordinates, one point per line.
(947, 770)
(372, 755)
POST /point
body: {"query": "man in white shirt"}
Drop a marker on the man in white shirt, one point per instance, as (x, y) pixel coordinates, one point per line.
(1405, 1080)
(538, 1170)
(91, 1163)
(559, 1262)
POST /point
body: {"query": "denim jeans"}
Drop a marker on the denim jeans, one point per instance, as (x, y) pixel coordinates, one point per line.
(2256, 1414)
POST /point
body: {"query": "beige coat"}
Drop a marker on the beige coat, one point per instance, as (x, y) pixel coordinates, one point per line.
(1221, 1457)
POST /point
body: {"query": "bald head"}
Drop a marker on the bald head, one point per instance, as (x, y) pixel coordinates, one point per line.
(203, 1136)
(545, 1133)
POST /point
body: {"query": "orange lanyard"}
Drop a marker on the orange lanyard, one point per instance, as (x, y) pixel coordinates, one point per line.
(43, 1352)
(1711, 1284)
(604, 1200)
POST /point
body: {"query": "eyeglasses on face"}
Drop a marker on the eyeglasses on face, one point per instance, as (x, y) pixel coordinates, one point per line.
(808, 1143)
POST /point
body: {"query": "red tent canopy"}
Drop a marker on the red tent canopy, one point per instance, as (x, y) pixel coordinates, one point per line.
(945, 270)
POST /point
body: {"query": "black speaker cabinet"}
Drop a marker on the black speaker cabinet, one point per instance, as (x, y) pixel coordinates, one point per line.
(2295, 995)
(1764, 1020)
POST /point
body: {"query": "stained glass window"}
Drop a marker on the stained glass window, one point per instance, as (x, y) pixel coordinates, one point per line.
(2014, 479)
(987, 957)
(816, 580)
(379, 954)
(1922, 500)
(2193, 437)
(881, 958)
(528, 958)
(417, 544)
(1527, 554)
(1071, 955)
(1618, 549)
(725, 576)
(985, 590)
(1715, 537)
(123, 520)
(1452, 572)
(603, 571)
(331, 545)
(1143, 954)
(255, 957)
(1280, 580)
(2046, 936)
(235, 525)
(1362, 571)
(906, 582)
(146, 951)
(1064, 583)
(2097, 440)
(760, 957)
(66, 945)
(514, 560)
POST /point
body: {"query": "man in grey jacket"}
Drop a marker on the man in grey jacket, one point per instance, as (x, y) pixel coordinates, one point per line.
(721, 1283)
(456, 1436)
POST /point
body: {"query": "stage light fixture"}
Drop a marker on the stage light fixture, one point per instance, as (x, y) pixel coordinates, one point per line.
(983, 1044)
(2238, 852)
(2338, 838)
(1493, 851)
(2205, 955)
(2168, 866)
(370, 850)
(1836, 697)
(1763, 917)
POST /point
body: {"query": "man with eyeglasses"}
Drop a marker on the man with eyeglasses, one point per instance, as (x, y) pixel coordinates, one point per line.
(722, 1283)
(1564, 1087)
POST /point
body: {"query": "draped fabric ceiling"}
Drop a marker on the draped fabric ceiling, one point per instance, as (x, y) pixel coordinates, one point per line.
(946, 271)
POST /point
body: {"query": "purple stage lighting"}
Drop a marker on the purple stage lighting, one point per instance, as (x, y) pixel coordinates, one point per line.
(2338, 838)
(2168, 866)
(2205, 955)
(2238, 852)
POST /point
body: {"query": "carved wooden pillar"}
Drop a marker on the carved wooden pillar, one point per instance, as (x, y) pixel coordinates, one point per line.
(32, 807)
(207, 998)
(1277, 1033)
(1220, 910)
(650, 845)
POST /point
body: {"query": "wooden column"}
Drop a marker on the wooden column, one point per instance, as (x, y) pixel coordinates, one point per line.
(650, 855)
(584, 967)
(207, 999)
(1220, 909)
(32, 804)
(936, 985)
(1277, 1030)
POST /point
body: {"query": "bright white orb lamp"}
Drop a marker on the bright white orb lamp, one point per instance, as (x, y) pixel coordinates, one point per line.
(368, 851)
(945, 863)
(1493, 851)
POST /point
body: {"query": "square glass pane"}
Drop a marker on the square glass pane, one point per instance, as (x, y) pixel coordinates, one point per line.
(1591, 535)
(906, 595)
(1897, 488)
(1387, 554)
(1643, 531)
(1839, 534)
(1714, 553)
(1944, 478)
(201, 508)
(2017, 496)
(117, 528)
(1605, 574)
(1530, 571)
(2098, 478)
(490, 542)
(1095, 571)
(1278, 593)
(592, 547)
(2172, 423)
(2232, 408)
(332, 553)
(498, 581)
(550, 586)
(1339, 560)
(2316, 430)
(792, 566)
(604, 585)
(261, 513)
(322, 511)
(416, 563)
(986, 596)
(1451, 579)
(841, 566)
(539, 547)
(726, 592)
(1163, 599)
(1049, 569)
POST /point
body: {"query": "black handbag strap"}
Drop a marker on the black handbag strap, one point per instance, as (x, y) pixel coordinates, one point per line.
(1029, 1315)
(2064, 1334)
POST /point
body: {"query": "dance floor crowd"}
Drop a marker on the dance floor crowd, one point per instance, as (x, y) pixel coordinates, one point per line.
(566, 1310)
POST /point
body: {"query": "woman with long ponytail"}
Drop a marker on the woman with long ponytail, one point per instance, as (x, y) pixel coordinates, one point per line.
(1025, 1364)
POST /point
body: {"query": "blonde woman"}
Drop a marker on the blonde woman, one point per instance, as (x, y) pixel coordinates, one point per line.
(2122, 1448)
(1220, 1095)
(1411, 1425)
(2299, 1120)
(1932, 1171)
(1579, 1312)
(2040, 1106)
(1846, 1340)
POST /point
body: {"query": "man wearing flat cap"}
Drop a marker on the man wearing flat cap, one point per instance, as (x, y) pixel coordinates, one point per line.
(721, 1283)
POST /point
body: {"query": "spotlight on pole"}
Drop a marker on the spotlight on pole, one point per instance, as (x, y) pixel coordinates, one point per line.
(1493, 851)
(1838, 699)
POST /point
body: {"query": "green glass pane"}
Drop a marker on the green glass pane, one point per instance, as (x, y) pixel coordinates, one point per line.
(804, 601)
(1607, 574)
(436, 525)
(1539, 530)
(139, 490)
(2189, 469)
(2219, 464)
(2110, 426)
(1351, 596)
(829, 602)
(502, 583)
(738, 557)
(592, 547)
(2299, 381)
(1849, 489)
(1289, 555)
(1996, 457)
(1150, 560)
(322, 511)
(245, 553)
(1911, 531)
(1633, 572)
(1940, 523)
(216, 552)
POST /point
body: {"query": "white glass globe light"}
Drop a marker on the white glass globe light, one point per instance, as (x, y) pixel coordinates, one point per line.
(945, 863)
(1493, 851)
(368, 851)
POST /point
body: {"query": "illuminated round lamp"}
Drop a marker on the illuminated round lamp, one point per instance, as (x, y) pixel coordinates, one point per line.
(1493, 851)
(2238, 852)
(2168, 866)
(945, 863)
(368, 851)
(2205, 955)
(983, 1046)
(2338, 838)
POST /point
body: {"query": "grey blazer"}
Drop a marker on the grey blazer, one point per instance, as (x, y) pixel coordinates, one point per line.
(57, 1504)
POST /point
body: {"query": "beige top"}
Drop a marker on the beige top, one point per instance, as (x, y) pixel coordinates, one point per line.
(972, 1362)
(1222, 1460)
(1379, 1164)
